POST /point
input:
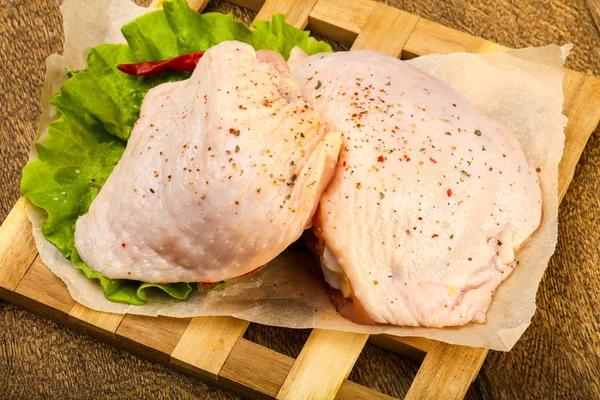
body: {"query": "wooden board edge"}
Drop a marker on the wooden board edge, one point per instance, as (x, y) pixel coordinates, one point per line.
(257, 372)
(386, 29)
(296, 12)
(206, 344)
(353, 391)
(339, 20)
(582, 98)
(157, 347)
(95, 322)
(14, 263)
(323, 365)
(43, 293)
(447, 372)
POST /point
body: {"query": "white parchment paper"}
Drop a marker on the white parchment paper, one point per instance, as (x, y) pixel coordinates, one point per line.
(520, 88)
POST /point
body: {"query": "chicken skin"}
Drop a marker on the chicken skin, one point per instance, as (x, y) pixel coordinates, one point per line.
(429, 200)
(222, 172)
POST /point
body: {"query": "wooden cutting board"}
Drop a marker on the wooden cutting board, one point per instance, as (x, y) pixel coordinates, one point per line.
(212, 348)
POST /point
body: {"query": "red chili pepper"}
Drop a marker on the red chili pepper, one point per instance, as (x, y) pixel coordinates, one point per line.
(185, 62)
(449, 192)
(205, 285)
(253, 271)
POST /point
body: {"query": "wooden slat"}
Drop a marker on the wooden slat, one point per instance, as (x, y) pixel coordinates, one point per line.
(411, 347)
(323, 364)
(198, 5)
(44, 293)
(258, 372)
(386, 30)
(343, 20)
(447, 372)
(254, 370)
(95, 322)
(295, 11)
(340, 20)
(206, 344)
(429, 37)
(151, 337)
(353, 391)
(17, 249)
(582, 107)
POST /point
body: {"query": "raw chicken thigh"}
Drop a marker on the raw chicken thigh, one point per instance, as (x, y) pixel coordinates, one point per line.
(222, 172)
(429, 200)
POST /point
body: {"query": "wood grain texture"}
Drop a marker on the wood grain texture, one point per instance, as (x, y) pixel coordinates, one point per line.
(387, 30)
(206, 344)
(258, 372)
(557, 356)
(519, 23)
(17, 249)
(322, 366)
(429, 37)
(582, 107)
(152, 337)
(344, 21)
(339, 20)
(295, 11)
(42, 291)
(95, 322)
(447, 372)
(375, 368)
(353, 391)
(255, 370)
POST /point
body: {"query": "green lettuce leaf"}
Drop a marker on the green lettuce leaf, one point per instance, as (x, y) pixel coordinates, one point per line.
(99, 105)
(282, 37)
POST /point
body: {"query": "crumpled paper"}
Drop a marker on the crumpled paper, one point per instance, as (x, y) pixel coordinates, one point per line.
(520, 88)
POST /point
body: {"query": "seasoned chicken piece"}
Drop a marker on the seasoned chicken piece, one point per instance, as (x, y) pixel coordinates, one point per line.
(222, 172)
(429, 200)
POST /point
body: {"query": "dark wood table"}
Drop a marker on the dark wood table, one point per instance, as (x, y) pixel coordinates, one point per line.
(557, 357)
